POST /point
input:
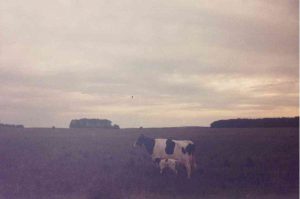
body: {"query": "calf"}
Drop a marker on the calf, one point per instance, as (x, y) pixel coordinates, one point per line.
(168, 163)
(179, 150)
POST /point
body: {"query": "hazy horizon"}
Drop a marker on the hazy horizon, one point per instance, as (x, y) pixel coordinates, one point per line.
(148, 63)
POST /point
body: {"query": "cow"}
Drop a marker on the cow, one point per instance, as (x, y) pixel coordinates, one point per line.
(180, 150)
(168, 163)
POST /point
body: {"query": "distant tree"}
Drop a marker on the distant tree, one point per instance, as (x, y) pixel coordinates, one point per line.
(115, 126)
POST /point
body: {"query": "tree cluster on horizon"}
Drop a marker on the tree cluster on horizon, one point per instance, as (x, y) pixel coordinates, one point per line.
(11, 125)
(256, 123)
(93, 123)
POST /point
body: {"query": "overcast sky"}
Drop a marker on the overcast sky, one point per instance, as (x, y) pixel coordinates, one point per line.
(184, 62)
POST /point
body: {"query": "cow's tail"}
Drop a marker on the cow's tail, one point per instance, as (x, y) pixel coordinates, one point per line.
(191, 148)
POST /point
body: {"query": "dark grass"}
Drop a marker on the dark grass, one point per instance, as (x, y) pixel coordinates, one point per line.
(93, 164)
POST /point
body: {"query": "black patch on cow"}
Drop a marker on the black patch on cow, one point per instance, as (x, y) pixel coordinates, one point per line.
(190, 149)
(149, 144)
(170, 145)
(183, 150)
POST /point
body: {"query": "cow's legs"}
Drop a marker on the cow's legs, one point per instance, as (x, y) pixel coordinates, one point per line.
(176, 172)
(162, 167)
(173, 167)
(194, 164)
(188, 169)
(161, 171)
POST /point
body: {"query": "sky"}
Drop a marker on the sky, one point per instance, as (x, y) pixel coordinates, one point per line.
(147, 63)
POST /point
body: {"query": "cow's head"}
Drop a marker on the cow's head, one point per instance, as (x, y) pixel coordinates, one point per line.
(145, 141)
(140, 141)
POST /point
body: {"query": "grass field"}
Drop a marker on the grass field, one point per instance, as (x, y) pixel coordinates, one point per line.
(96, 164)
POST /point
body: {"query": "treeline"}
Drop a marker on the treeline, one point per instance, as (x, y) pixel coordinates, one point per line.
(256, 123)
(11, 125)
(93, 123)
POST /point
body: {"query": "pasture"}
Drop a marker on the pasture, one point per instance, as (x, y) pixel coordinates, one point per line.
(96, 163)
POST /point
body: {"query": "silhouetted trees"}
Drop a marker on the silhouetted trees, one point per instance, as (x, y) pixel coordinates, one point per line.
(254, 123)
(93, 123)
(11, 125)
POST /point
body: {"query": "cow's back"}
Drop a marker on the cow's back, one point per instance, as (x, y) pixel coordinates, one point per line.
(176, 152)
(159, 149)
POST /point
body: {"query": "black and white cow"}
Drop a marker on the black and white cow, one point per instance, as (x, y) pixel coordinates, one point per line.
(180, 150)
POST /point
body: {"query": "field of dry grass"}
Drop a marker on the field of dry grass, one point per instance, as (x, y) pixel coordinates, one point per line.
(96, 164)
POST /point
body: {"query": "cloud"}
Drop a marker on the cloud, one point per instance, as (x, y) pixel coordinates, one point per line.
(185, 62)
